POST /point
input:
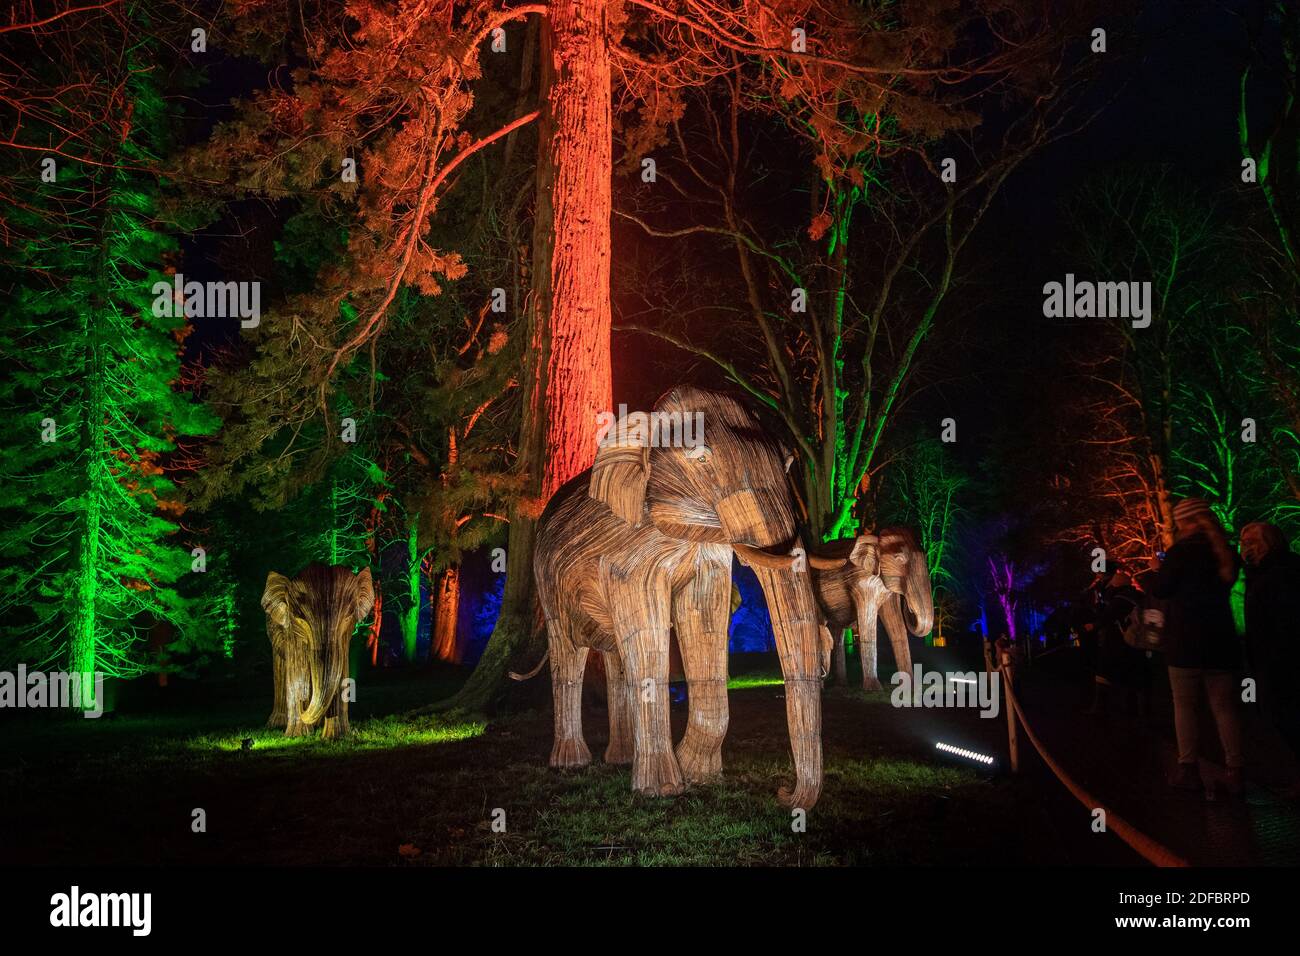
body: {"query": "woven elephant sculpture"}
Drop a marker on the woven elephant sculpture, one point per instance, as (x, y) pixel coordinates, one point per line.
(310, 620)
(643, 543)
(871, 578)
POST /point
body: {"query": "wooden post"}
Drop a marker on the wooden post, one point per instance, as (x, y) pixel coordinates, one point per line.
(1007, 667)
(988, 657)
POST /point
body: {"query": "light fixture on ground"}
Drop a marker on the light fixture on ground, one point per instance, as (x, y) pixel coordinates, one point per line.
(963, 752)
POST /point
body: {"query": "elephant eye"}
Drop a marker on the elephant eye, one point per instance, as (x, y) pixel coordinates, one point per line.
(700, 454)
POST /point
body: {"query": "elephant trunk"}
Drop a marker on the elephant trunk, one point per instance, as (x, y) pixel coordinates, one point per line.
(758, 517)
(912, 580)
(919, 620)
(325, 682)
(796, 627)
(919, 606)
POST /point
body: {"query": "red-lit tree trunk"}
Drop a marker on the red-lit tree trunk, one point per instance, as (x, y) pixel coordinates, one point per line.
(446, 608)
(571, 291)
(567, 371)
(372, 635)
(376, 625)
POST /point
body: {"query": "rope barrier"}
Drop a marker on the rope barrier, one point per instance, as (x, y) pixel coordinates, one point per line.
(1151, 850)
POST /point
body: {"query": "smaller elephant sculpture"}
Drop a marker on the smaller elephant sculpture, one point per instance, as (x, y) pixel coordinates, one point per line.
(871, 578)
(310, 620)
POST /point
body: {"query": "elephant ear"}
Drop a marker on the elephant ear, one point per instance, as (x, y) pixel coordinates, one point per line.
(365, 596)
(622, 467)
(866, 553)
(895, 556)
(275, 599)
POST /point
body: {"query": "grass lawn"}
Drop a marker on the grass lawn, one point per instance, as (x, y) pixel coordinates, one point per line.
(414, 790)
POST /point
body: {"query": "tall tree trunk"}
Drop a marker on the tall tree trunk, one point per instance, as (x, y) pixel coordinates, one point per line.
(567, 373)
(333, 538)
(1164, 505)
(446, 610)
(410, 618)
(357, 650)
(572, 290)
(81, 651)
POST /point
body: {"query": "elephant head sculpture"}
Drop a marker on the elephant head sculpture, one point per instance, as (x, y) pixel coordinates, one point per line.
(310, 620)
(875, 577)
(643, 543)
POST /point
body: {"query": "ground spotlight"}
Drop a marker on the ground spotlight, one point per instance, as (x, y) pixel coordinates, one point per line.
(963, 752)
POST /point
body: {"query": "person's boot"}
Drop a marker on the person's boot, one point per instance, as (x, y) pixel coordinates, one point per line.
(1185, 777)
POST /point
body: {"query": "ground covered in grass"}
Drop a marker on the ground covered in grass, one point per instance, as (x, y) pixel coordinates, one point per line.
(415, 789)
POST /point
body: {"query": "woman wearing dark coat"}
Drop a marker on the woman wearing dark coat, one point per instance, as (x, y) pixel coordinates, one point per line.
(1272, 614)
(1202, 649)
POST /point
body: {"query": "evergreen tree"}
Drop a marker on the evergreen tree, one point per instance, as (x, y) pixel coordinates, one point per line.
(90, 545)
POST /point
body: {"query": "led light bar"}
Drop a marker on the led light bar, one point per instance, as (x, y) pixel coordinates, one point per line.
(962, 752)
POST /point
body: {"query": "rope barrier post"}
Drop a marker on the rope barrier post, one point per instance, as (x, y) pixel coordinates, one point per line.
(1007, 667)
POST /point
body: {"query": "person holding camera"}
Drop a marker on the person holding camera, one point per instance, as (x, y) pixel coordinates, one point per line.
(1202, 648)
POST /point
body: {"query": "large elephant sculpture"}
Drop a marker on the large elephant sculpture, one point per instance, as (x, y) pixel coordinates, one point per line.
(881, 577)
(310, 620)
(643, 543)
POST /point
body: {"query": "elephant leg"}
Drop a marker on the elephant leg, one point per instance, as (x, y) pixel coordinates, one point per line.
(568, 661)
(620, 750)
(891, 613)
(279, 706)
(795, 625)
(332, 729)
(868, 596)
(839, 663)
(700, 615)
(297, 683)
(640, 606)
(294, 727)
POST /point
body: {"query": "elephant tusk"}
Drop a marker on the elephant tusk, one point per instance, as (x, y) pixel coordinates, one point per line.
(514, 675)
(819, 563)
(758, 558)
